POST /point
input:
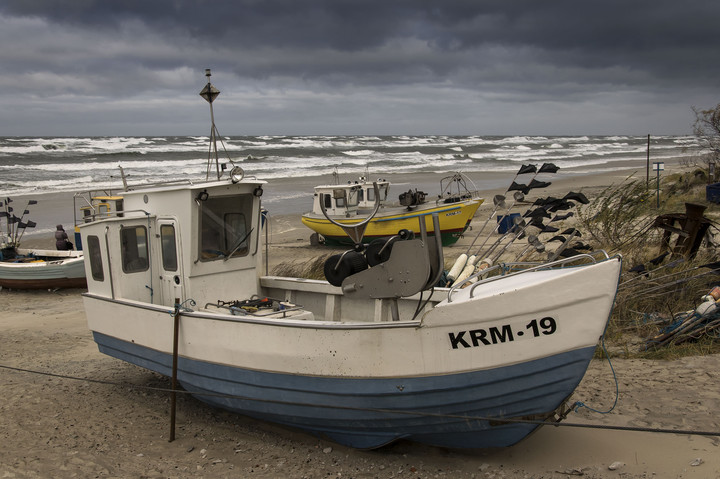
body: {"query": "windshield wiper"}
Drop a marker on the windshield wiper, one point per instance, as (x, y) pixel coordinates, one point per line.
(238, 245)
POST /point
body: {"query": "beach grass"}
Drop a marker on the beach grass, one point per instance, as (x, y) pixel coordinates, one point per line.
(652, 300)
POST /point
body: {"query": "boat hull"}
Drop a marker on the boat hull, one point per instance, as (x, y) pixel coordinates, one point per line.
(516, 348)
(447, 410)
(49, 273)
(454, 220)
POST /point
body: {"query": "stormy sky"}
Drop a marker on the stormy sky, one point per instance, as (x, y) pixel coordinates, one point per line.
(507, 67)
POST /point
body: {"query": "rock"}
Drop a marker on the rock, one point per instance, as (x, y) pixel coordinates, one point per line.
(696, 462)
(616, 465)
(327, 450)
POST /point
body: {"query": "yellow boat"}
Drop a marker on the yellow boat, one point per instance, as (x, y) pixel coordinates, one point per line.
(95, 205)
(350, 203)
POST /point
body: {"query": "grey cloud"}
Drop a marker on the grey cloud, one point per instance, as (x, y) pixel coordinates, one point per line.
(506, 57)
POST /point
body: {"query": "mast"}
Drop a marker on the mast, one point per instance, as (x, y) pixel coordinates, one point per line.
(210, 93)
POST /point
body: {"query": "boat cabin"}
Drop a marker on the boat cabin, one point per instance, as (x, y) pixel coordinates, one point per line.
(100, 206)
(349, 199)
(199, 242)
(94, 205)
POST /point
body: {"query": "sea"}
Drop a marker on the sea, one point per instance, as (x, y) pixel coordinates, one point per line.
(39, 165)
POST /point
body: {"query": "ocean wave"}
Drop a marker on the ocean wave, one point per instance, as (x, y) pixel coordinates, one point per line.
(74, 163)
(358, 152)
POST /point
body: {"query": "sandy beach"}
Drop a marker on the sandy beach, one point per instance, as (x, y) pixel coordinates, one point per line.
(114, 421)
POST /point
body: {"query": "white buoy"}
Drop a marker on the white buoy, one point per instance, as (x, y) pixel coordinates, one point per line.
(457, 267)
(707, 307)
(484, 264)
(468, 270)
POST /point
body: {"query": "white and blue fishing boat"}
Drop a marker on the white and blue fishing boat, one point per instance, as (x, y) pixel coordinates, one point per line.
(176, 285)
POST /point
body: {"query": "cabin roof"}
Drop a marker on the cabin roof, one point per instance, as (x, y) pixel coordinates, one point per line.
(348, 186)
(189, 185)
(107, 198)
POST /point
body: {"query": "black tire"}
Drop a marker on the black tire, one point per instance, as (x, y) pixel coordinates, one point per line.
(372, 253)
(350, 264)
(406, 234)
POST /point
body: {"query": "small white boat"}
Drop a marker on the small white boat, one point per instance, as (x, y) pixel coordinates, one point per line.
(350, 203)
(42, 269)
(23, 268)
(176, 286)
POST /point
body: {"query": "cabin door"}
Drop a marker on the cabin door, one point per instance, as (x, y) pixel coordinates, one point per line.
(171, 275)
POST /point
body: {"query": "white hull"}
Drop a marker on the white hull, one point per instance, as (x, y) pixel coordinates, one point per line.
(51, 269)
(502, 330)
(385, 349)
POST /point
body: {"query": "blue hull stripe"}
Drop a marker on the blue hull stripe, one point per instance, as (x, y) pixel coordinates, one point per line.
(428, 213)
(346, 409)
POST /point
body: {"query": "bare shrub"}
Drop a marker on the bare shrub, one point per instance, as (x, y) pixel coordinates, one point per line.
(619, 218)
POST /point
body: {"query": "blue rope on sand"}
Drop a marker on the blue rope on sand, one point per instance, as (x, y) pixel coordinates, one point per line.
(680, 319)
(579, 404)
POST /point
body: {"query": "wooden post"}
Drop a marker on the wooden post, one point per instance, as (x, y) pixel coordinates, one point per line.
(695, 228)
(173, 403)
(647, 165)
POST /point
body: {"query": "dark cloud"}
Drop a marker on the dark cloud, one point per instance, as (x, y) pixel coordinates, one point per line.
(434, 60)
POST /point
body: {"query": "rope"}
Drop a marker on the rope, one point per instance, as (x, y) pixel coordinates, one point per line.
(421, 305)
(580, 404)
(379, 410)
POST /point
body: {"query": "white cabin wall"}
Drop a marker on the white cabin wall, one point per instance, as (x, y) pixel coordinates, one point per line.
(104, 287)
(236, 278)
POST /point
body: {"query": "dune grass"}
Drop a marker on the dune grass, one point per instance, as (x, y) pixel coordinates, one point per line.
(622, 220)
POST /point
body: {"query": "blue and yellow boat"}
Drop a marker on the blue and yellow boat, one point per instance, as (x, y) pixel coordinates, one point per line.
(350, 203)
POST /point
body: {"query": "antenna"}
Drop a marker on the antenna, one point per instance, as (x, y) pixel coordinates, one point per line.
(236, 173)
(210, 93)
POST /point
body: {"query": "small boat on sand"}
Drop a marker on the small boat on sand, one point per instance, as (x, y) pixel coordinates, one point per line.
(41, 269)
(352, 201)
(176, 286)
(26, 268)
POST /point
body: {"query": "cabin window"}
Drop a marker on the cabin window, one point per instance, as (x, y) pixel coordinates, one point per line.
(353, 197)
(340, 197)
(360, 195)
(169, 251)
(95, 256)
(383, 192)
(225, 227)
(134, 249)
(119, 208)
(328, 201)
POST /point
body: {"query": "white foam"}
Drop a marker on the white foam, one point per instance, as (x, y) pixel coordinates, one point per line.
(358, 152)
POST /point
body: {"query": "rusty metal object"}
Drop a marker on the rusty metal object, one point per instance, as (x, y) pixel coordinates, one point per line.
(690, 228)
